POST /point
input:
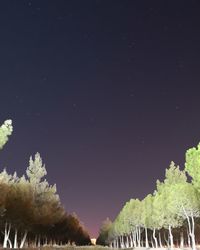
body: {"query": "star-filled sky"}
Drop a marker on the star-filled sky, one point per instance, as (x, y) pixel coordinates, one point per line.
(107, 91)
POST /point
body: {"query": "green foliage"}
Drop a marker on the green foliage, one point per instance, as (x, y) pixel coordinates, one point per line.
(147, 211)
(5, 131)
(36, 170)
(174, 202)
(104, 232)
(185, 200)
(192, 165)
(165, 209)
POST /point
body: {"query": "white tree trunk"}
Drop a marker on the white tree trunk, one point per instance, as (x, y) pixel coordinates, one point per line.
(171, 237)
(160, 241)
(46, 242)
(193, 235)
(131, 241)
(6, 235)
(146, 238)
(136, 236)
(134, 240)
(154, 237)
(15, 240)
(181, 240)
(139, 237)
(10, 243)
(190, 228)
(23, 239)
(38, 244)
(126, 241)
(188, 235)
(115, 243)
(166, 240)
(122, 242)
(152, 242)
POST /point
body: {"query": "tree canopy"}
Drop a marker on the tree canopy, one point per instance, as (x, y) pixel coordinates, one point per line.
(6, 130)
(168, 217)
(31, 212)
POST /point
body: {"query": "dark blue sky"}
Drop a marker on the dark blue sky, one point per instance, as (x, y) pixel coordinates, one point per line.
(107, 91)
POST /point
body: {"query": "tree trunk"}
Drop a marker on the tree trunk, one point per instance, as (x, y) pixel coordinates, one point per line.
(191, 230)
(139, 239)
(160, 241)
(181, 240)
(152, 245)
(171, 237)
(120, 242)
(46, 241)
(166, 240)
(131, 241)
(23, 239)
(136, 236)
(188, 236)
(126, 242)
(193, 235)
(154, 237)
(38, 243)
(146, 238)
(10, 243)
(35, 241)
(15, 239)
(123, 244)
(6, 235)
(133, 237)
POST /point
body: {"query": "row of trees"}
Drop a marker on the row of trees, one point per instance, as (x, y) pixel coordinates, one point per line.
(30, 209)
(168, 217)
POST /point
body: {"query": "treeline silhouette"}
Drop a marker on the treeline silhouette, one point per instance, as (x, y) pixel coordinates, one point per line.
(31, 213)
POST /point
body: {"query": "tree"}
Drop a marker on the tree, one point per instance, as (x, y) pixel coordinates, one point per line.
(5, 131)
(30, 208)
(174, 206)
(185, 200)
(36, 171)
(43, 192)
(146, 216)
(165, 209)
(192, 165)
(103, 234)
(19, 212)
(127, 227)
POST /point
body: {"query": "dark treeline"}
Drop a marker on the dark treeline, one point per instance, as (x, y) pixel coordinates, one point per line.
(31, 213)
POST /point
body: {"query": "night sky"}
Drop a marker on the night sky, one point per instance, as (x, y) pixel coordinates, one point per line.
(107, 91)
